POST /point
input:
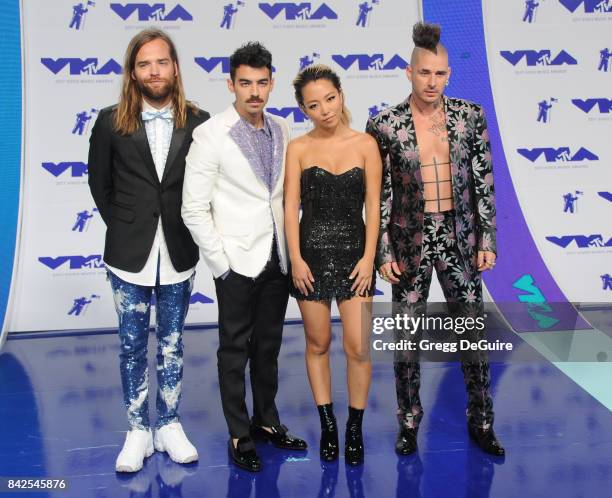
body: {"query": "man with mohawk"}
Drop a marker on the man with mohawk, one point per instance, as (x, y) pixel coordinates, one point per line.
(438, 210)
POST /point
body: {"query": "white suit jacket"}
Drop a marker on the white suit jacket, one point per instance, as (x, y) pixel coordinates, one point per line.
(227, 206)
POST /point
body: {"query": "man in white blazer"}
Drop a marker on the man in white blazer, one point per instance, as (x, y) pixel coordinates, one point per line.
(233, 207)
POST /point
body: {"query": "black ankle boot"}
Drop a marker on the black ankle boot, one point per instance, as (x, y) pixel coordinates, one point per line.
(353, 449)
(328, 447)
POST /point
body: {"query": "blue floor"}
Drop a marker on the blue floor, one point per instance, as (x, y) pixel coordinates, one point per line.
(61, 416)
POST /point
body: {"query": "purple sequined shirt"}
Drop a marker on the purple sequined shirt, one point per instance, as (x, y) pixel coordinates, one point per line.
(262, 141)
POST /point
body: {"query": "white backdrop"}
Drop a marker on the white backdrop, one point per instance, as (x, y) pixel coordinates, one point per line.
(59, 281)
(561, 166)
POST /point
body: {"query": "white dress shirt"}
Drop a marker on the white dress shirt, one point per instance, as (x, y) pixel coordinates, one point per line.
(159, 135)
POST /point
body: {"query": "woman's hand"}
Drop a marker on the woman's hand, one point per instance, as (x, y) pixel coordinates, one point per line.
(302, 277)
(362, 275)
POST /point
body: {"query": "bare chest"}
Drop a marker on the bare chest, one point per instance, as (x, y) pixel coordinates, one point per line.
(432, 137)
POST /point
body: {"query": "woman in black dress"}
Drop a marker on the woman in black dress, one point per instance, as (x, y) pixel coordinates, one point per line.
(332, 171)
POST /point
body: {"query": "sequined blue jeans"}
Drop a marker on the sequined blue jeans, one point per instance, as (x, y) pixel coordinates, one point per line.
(133, 305)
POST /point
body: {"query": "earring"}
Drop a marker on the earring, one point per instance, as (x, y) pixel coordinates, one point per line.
(446, 83)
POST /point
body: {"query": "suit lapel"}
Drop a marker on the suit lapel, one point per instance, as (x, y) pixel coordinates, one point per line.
(142, 144)
(178, 137)
(454, 141)
(240, 135)
(411, 147)
(278, 140)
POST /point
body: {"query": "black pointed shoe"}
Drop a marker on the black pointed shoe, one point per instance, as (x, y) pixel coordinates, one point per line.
(353, 449)
(279, 437)
(244, 454)
(486, 440)
(406, 442)
(328, 446)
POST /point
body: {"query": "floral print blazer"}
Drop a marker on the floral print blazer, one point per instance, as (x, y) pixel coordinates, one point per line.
(402, 200)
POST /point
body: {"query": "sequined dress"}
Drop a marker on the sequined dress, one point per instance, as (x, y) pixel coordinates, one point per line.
(332, 231)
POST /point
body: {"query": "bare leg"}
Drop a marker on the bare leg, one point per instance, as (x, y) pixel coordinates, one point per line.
(356, 318)
(317, 326)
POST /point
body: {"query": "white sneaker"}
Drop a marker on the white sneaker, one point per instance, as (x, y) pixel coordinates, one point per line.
(172, 439)
(138, 446)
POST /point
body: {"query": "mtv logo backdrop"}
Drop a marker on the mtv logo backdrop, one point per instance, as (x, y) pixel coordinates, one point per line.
(548, 62)
(74, 70)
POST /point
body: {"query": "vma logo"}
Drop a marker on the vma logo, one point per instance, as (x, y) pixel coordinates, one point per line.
(365, 62)
(553, 155)
(376, 109)
(209, 64)
(605, 195)
(603, 105)
(74, 262)
(229, 11)
(79, 13)
(539, 57)
(81, 125)
(83, 219)
(89, 66)
(294, 114)
(303, 11)
(151, 12)
(537, 307)
(80, 305)
(581, 241)
(77, 169)
(590, 6)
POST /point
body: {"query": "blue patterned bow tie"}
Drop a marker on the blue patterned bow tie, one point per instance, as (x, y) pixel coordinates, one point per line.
(150, 115)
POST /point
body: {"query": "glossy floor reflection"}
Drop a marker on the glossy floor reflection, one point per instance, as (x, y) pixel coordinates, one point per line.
(62, 416)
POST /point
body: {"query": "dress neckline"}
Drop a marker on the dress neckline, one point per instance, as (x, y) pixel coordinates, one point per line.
(330, 173)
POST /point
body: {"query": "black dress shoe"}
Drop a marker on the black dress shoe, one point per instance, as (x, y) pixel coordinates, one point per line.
(406, 442)
(328, 446)
(353, 441)
(486, 440)
(244, 454)
(279, 437)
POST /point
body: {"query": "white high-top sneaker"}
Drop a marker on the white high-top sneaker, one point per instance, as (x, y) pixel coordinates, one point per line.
(138, 446)
(172, 439)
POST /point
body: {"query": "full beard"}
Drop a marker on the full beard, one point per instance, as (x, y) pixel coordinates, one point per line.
(159, 94)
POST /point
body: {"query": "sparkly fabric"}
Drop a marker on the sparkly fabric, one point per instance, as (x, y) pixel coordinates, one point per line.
(332, 231)
(133, 305)
(440, 250)
(242, 134)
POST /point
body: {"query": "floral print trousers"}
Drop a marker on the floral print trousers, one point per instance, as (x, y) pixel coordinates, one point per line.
(439, 250)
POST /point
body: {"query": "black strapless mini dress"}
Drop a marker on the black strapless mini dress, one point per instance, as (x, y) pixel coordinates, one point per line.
(332, 232)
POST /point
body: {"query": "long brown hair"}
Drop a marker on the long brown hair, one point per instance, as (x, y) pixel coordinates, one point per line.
(127, 114)
(316, 72)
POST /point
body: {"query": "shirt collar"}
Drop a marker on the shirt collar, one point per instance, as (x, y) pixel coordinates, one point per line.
(266, 126)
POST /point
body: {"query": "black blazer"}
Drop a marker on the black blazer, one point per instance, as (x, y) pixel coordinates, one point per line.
(130, 197)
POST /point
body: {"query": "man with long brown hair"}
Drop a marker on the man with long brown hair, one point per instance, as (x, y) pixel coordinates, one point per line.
(136, 170)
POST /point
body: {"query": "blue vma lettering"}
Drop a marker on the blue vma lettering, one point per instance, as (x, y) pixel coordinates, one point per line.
(74, 262)
(557, 154)
(367, 62)
(151, 12)
(536, 302)
(582, 241)
(538, 57)
(586, 105)
(293, 113)
(81, 66)
(209, 64)
(298, 11)
(605, 195)
(77, 169)
(590, 6)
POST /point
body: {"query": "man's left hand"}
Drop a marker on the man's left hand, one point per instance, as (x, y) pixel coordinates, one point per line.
(486, 260)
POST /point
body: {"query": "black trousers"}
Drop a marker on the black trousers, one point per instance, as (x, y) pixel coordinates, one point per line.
(251, 318)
